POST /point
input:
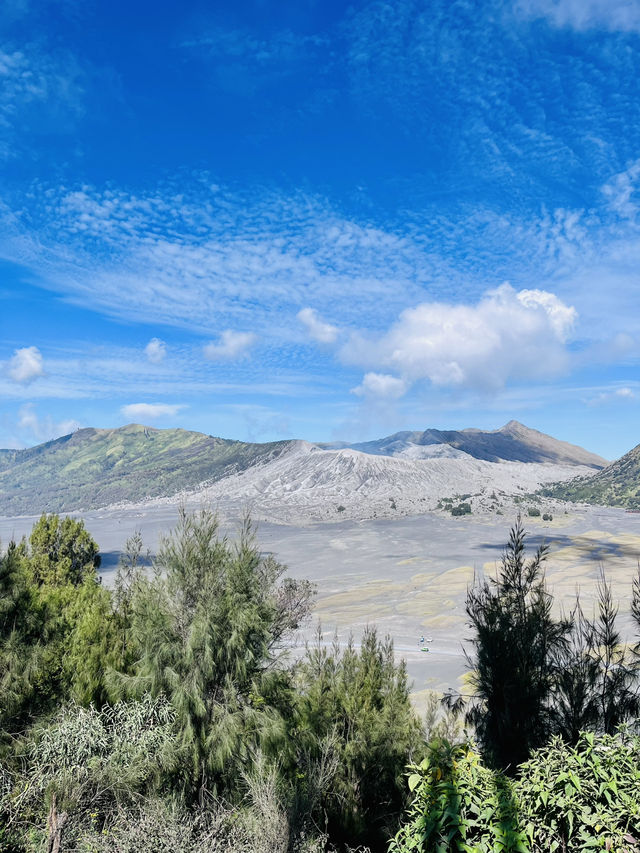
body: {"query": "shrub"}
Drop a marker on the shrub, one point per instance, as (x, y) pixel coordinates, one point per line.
(533, 512)
(461, 509)
(566, 798)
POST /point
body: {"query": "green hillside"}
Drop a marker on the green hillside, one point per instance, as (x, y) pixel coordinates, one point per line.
(616, 485)
(97, 467)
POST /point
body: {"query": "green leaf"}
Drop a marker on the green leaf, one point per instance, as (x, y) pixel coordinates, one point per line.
(414, 781)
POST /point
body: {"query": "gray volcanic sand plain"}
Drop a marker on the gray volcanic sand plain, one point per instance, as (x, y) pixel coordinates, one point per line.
(407, 576)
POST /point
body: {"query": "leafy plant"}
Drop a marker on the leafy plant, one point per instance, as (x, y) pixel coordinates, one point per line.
(566, 798)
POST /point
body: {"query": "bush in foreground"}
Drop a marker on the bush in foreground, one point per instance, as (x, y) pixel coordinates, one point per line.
(566, 798)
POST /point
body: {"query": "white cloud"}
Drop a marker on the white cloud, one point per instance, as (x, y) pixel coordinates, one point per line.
(38, 90)
(156, 350)
(561, 317)
(506, 336)
(25, 365)
(203, 258)
(150, 411)
(231, 345)
(318, 330)
(622, 15)
(622, 191)
(380, 385)
(615, 395)
(43, 429)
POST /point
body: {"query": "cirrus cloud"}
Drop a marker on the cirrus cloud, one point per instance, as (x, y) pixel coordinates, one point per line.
(621, 15)
(150, 411)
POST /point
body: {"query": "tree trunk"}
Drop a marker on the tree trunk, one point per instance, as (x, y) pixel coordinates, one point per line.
(55, 824)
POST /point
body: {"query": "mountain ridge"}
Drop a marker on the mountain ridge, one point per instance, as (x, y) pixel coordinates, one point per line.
(96, 467)
(93, 467)
(513, 442)
(618, 484)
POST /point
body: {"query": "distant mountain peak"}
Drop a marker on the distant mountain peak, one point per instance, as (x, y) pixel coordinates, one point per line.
(513, 442)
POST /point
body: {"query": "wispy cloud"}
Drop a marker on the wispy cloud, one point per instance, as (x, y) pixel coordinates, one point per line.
(503, 115)
(202, 256)
(39, 91)
(34, 428)
(623, 15)
(231, 345)
(151, 411)
(317, 329)
(156, 350)
(281, 53)
(620, 394)
(25, 365)
(623, 192)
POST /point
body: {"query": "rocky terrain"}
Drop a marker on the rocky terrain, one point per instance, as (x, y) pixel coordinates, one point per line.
(514, 442)
(289, 481)
(307, 483)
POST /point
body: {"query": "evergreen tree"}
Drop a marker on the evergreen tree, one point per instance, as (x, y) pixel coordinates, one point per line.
(595, 687)
(618, 671)
(207, 628)
(62, 551)
(20, 651)
(516, 641)
(356, 704)
(575, 706)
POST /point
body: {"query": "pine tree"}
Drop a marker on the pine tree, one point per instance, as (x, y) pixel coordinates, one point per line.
(618, 670)
(516, 641)
(575, 702)
(207, 628)
(355, 703)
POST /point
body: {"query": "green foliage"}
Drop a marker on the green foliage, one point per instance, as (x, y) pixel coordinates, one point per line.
(356, 725)
(20, 650)
(547, 516)
(533, 512)
(461, 509)
(62, 551)
(515, 641)
(596, 678)
(585, 797)
(207, 629)
(56, 623)
(458, 804)
(90, 761)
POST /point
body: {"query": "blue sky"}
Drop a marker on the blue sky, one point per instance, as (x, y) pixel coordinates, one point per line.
(320, 220)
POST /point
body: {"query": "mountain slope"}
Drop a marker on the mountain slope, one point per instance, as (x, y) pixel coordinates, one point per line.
(308, 482)
(616, 485)
(96, 467)
(513, 442)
